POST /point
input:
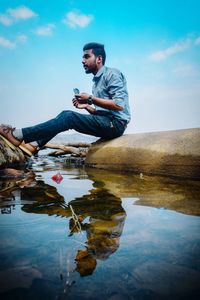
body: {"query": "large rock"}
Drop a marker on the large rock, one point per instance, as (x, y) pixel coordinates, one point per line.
(174, 153)
(10, 156)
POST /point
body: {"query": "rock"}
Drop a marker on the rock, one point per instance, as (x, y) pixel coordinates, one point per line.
(10, 156)
(171, 153)
(9, 173)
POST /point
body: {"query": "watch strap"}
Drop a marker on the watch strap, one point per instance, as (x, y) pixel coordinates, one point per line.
(90, 100)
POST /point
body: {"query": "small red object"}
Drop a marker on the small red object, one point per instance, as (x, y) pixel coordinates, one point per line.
(57, 177)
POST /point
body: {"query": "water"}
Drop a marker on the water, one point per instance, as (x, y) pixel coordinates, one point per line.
(99, 235)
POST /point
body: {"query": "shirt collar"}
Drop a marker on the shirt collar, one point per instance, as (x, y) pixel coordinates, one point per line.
(99, 73)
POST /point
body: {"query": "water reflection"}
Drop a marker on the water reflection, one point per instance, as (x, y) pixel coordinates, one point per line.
(155, 191)
(99, 213)
(161, 192)
(70, 240)
(105, 221)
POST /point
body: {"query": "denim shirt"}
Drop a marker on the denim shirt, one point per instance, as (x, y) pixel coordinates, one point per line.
(110, 83)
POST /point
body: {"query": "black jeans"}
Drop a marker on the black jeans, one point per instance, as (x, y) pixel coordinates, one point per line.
(102, 125)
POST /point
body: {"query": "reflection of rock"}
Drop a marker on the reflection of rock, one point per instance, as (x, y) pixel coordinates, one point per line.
(42, 195)
(156, 191)
(10, 188)
(9, 173)
(35, 196)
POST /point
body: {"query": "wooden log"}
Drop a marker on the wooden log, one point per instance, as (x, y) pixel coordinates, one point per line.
(63, 149)
(70, 144)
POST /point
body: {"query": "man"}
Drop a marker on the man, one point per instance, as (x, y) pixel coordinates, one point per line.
(108, 107)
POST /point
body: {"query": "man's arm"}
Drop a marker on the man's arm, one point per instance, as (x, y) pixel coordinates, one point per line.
(104, 103)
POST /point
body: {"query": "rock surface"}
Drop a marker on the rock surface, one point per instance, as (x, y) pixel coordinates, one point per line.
(10, 156)
(173, 153)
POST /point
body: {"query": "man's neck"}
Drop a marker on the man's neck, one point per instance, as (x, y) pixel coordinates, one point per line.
(97, 70)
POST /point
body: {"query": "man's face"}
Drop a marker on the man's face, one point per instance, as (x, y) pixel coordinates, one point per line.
(89, 62)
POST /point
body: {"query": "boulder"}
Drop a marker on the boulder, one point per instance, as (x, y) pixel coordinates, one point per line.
(170, 153)
(10, 156)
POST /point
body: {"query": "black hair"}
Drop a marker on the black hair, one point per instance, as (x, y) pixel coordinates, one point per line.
(97, 49)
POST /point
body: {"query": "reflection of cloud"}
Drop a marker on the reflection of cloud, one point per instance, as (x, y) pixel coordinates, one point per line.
(73, 19)
(45, 30)
(6, 43)
(176, 48)
(14, 14)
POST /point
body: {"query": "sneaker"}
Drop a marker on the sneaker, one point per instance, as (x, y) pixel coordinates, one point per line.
(6, 131)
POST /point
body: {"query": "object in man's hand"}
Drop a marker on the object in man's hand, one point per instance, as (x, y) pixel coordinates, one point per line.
(76, 91)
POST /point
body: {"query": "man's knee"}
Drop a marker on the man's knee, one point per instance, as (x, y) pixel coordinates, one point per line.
(66, 114)
(68, 119)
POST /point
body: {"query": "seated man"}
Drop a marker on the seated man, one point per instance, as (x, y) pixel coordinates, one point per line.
(108, 107)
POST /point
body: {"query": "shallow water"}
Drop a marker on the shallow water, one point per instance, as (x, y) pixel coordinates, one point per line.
(98, 235)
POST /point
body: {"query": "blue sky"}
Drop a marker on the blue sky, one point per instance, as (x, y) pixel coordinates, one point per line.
(156, 44)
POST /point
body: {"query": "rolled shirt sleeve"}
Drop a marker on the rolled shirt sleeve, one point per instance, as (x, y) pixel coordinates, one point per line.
(117, 88)
(110, 84)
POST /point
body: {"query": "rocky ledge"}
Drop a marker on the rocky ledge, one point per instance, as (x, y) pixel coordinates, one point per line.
(170, 153)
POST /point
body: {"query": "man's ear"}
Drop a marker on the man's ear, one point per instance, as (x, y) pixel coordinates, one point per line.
(99, 59)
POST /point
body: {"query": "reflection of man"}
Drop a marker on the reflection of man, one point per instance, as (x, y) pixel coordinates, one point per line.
(99, 213)
(105, 226)
(103, 238)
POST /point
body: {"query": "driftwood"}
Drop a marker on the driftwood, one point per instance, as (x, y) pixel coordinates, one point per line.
(78, 149)
(71, 144)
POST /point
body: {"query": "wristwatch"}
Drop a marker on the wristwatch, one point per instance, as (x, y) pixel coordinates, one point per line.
(90, 100)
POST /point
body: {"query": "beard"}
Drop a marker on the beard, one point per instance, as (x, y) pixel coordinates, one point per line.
(87, 70)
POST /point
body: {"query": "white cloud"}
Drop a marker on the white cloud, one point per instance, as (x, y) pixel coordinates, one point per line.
(14, 14)
(186, 70)
(197, 41)
(5, 20)
(21, 12)
(45, 30)
(22, 38)
(73, 19)
(6, 43)
(176, 48)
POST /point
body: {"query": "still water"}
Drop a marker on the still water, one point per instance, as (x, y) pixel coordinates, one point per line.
(98, 235)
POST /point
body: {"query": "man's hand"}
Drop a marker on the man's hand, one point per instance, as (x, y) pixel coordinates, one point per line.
(79, 105)
(82, 98)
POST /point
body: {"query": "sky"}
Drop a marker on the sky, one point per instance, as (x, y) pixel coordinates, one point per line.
(156, 44)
